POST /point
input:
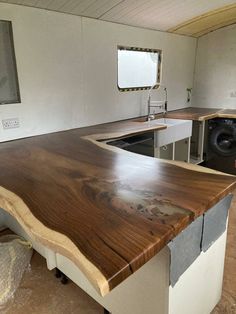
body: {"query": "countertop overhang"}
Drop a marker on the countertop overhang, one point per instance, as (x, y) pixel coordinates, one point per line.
(108, 210)
(201, 114)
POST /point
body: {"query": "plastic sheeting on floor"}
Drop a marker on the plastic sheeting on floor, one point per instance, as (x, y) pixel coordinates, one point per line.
(15, 256)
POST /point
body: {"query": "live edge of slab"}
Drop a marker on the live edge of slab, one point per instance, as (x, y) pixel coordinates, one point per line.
(107, 210)
(200, 114)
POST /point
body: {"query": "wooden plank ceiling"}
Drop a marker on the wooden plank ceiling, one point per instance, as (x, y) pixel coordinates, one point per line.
(187, 17)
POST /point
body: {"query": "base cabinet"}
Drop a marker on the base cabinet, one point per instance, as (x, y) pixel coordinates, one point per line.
(179, 151)
(165, 152)
(197, 142)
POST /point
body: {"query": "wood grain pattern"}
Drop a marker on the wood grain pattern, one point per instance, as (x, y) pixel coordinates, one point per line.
(208, 22)
(194, 113)
(108, 210)
(200, 114)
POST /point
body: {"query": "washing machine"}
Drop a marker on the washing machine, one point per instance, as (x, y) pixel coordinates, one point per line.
(221, 145)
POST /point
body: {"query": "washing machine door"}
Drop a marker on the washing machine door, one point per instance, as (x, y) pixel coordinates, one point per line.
(223, 140)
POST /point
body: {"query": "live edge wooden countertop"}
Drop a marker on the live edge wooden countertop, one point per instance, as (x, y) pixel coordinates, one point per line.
(201, 114)
(107, 210)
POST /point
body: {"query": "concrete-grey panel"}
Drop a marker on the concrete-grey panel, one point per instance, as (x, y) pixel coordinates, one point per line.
(184, 249)
(2, 220)
(214, 222)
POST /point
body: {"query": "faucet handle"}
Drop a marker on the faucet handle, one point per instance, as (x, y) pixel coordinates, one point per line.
(151, 117)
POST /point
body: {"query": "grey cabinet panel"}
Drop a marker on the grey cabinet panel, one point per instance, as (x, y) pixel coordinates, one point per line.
(184, 249)
(197, 237)
(214, 222)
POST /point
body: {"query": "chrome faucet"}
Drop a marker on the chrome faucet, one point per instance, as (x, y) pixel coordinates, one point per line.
(162, 104)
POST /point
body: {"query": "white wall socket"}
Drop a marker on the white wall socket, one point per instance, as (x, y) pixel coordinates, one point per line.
(12, 123)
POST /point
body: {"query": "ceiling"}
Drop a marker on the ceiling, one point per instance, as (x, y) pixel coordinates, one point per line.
(187, 17)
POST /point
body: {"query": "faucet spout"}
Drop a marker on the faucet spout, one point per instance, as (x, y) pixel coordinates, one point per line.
(162, 104)
(166, 100)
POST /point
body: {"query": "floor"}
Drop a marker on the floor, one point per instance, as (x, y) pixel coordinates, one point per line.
(227, 304)
(41, 292)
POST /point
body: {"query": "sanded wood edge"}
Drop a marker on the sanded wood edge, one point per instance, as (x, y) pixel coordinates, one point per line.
(56, 241)
(101, 139)
(194, 167)
(104, 145)
(203, 117)
(181, 164)
(208, 117)
(227, 115)
(118, 135)
(219, 114)
(191, 116)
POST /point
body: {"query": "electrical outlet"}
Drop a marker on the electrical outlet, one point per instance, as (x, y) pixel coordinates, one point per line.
(12, 123)
(233, 94)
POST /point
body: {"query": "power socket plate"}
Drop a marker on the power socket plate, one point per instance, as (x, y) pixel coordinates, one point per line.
(12, 123)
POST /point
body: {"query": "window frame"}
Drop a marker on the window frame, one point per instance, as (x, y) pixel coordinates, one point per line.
(159, 68)
(11, 38)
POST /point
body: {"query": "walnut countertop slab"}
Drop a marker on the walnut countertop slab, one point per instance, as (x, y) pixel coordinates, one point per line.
(227, 113)
(201, 114)
(108, 210)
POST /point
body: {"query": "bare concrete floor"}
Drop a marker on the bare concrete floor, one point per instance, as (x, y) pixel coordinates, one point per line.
(41, 292)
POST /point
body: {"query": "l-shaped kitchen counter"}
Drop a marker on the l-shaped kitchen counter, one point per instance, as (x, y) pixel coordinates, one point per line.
(107, 210)
(200, 114)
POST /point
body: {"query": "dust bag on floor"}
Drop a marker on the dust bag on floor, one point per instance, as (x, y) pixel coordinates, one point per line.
(15, 255)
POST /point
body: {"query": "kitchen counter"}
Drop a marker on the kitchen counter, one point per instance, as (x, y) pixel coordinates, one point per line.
(227, 113)
(107, 210)
(201, 114)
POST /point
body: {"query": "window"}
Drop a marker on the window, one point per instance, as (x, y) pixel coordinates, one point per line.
(138, 68)
(9, 88)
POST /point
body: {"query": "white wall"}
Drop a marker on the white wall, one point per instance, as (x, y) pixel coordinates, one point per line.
(67, 68)
(215, 77)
